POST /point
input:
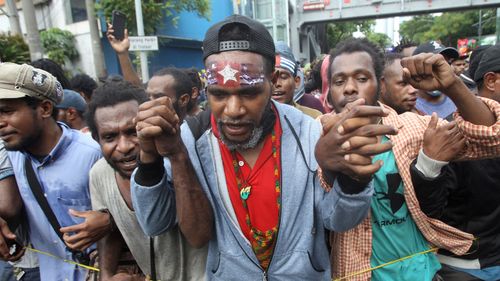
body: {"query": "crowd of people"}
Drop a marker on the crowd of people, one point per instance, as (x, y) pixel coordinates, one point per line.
(366, 165)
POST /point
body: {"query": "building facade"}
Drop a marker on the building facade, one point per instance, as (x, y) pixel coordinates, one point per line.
(179, 46)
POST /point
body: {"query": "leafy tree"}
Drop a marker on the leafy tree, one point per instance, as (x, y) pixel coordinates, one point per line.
(415, 28)
(381, 39)
(59, 45)
(153, 11)
(451, 26)
(448, 27)
(339, 31)
(13, 49)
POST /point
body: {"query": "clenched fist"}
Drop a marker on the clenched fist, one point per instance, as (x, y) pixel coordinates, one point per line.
(428, 72)
(158, 129)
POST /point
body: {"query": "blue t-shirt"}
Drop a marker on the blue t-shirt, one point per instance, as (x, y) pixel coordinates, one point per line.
(444, 109)
(395, 234)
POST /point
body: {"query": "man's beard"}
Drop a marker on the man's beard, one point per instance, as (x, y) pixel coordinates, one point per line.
(24, 142)
(252, 142)
(258, 132)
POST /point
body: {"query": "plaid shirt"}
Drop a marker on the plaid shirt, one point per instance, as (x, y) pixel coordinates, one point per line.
(351, 250)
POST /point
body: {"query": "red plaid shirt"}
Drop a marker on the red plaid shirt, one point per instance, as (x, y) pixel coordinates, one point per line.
(351, 250)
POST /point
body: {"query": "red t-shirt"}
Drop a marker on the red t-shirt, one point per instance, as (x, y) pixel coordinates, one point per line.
(262, 202)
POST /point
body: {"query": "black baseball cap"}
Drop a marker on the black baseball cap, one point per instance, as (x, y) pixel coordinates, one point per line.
(258, 40)
(475, 59)
(490, 62)
(437, 48)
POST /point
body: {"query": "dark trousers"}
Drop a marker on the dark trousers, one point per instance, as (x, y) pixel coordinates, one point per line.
(448, 273)
(7, 273)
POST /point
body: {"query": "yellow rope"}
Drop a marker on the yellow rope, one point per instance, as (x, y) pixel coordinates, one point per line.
(338, 279)
(385, 264)
(64, 260)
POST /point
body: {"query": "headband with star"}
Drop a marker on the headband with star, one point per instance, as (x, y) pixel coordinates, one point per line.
(232, 74)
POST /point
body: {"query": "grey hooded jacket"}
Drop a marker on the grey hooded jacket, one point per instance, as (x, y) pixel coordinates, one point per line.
(300, 252)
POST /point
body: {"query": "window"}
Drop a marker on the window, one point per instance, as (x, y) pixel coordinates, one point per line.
(274, 15)
(77, 11)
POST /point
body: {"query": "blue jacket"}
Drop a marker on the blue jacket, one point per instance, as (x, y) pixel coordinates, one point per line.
(306, 210)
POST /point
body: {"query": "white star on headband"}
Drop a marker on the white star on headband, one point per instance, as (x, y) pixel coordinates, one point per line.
(228, 73)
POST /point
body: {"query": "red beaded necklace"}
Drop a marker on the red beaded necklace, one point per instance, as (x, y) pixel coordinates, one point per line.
(262, 241)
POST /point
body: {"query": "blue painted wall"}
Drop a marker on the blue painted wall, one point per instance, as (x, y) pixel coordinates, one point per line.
(179, 46)
(191, 26)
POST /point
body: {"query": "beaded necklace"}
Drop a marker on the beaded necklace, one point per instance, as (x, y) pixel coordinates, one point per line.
(262, 241)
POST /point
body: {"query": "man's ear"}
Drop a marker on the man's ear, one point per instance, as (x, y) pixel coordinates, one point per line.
(489, 80)
(297, 82)
(46, 108)
(184, 100)
(71, 113)
(195, 93)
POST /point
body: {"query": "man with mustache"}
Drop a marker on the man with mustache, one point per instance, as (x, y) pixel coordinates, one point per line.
(395, 92)
(255, 161)
(396, 227)
(110, 117)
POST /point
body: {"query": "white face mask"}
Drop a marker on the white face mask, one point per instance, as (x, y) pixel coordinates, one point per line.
(435, 93)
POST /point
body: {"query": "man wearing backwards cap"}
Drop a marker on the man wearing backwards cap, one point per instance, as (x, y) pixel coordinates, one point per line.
(434, 101)
(33, 137)
(255, 161)
(286, 80)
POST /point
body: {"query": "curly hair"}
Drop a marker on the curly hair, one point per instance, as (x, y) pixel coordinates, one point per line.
(354, 45)
(403, 44)
(110, 93)
(83, 83)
